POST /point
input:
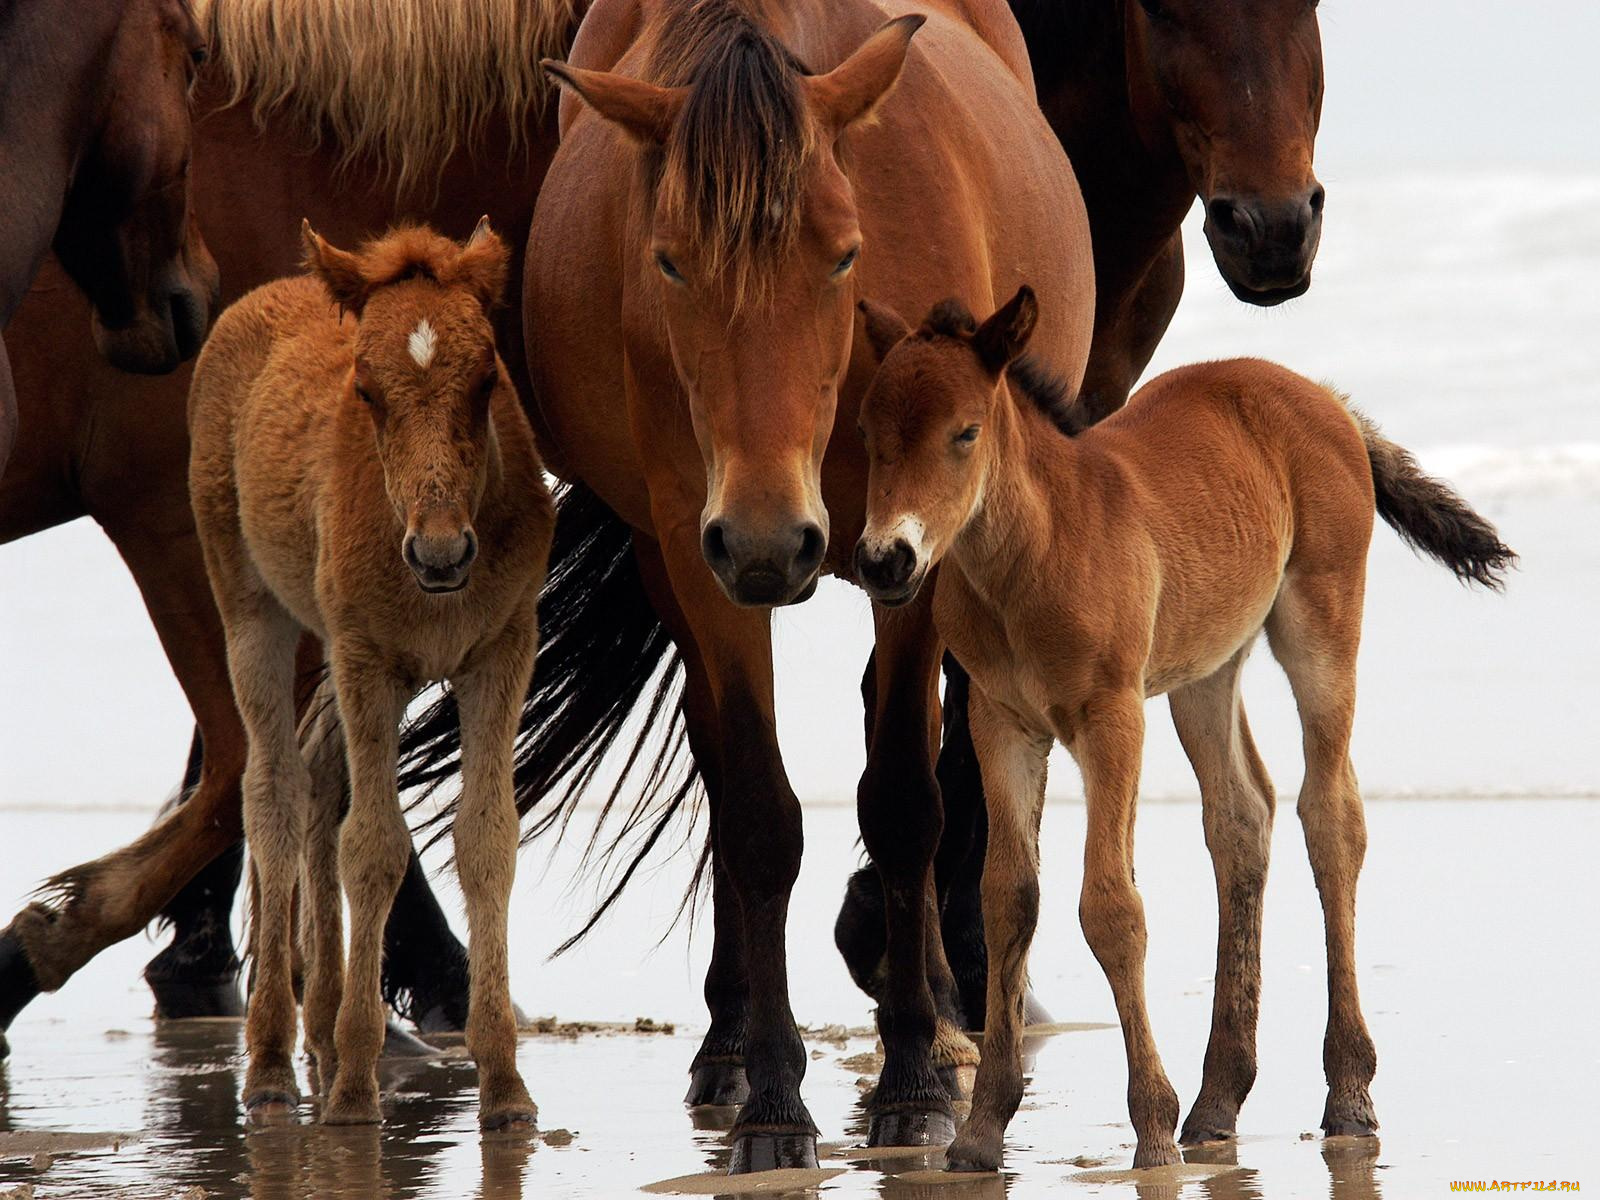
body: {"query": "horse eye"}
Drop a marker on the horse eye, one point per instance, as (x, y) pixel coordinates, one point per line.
(845, 263)
(668, 268)
(363, 395)
(199, 55)
(967, 436)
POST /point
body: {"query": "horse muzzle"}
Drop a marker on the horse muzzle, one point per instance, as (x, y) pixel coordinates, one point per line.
(889, 571)
(764, 567)
(1264, 247)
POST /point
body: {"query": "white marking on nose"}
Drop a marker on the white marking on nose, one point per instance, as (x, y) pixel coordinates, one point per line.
(422, 343)
(906, 526)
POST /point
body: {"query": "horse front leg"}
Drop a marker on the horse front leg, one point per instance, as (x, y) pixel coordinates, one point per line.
(901, 820)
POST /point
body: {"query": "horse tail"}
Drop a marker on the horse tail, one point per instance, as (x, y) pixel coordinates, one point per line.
(604, 655)
(1430, 517)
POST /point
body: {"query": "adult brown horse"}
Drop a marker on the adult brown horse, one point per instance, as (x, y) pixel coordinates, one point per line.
(719, 201)
(95, 136)
(300, 119)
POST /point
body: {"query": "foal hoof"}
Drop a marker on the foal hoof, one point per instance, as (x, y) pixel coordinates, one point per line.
(968, 1156)
(717, 1082)
(1157, 1154)
(1208, 1125)
(1351, 1118)
(911, 1127)
(352, 1114)
(267, 1108)
(772, 1152)
(514, 1121)
(1350, 1127)
(398, 1043)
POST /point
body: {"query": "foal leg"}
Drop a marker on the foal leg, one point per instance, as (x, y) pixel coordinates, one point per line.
(1237, 804)
(374, 846)
(1108, 746)
(1314, 630)
(1014, 761)
(322, 911)
(486, 833)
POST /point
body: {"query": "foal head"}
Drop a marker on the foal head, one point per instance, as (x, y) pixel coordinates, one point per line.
(751, 239)
(127, 235)
(425, 371)
(1235, 86)
(925, 419)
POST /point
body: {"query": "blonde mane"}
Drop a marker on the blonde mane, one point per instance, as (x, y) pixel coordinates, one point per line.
(402, 83)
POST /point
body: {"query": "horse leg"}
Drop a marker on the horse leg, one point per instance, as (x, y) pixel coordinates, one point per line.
(374, 847)
(97, 904)
(1128, 326)
(716, 1074)
(1108, 746)
(759, 842)
(1314, 630)
(1237, 804)
(322, 904)
(197, 975)
(1014, 761)
(901, 818)
(486, 835)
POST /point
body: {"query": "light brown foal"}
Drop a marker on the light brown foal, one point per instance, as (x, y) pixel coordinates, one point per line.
(1081, 575)
(362, 469)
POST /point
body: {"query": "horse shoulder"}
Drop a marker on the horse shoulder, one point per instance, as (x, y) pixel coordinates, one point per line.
(996, 25)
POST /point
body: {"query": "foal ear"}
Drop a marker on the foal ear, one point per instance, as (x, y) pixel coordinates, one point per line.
(483, 265)
(339, 270)
(885, 329)
(645, 111)
(1002, 337)
(853, 89)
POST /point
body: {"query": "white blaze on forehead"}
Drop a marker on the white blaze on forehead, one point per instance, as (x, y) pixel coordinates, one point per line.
(422, 343)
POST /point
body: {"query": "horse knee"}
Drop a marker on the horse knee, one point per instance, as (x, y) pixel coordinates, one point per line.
(1112, 916)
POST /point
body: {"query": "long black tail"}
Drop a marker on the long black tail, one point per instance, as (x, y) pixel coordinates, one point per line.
(1431, 517)
(603, 654)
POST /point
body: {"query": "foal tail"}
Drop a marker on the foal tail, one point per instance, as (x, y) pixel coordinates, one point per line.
(605, 663)
(1432, 518)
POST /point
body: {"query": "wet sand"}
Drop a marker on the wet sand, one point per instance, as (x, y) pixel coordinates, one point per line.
(1479, 975)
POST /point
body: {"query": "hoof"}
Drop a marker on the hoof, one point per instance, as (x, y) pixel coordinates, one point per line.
(514, 1121)
(718, 1082)
(266, 1108)
(1158, 1154)
(1354, 1118)
(911, 1127)
(352, 1114)
(1208, 1126)
(967, 1156)
(18, 984)
(1350, 1127)
(397, 1043)
(772, 1152)
(177, 999)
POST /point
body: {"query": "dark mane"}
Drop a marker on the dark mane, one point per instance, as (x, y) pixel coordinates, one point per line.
(1068, 37)
(732, 166)
(1029, 374)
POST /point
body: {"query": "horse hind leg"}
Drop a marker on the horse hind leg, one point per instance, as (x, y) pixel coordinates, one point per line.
(1237, 802)
(1314, 631)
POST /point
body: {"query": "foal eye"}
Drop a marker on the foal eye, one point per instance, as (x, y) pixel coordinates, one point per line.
(199, 55)
(845, 263)
(967, 436)
(363, 395)
(668, 268)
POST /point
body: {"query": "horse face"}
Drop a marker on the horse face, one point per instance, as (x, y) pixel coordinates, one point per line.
(426, 371)
(1236, 87)
(926, 422)
(127, 235)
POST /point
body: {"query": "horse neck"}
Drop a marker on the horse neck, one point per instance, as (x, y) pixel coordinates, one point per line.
(50, 95)
(1030, 485)
(1080, 73)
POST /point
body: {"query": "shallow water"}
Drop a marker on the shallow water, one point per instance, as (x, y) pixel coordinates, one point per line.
(1479, 977)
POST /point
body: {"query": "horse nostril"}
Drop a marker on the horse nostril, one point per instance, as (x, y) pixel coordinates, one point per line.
(469, 550)
(1316, 199)
(813, 543)
(714, 544)
(1224, 214)
(901, 561)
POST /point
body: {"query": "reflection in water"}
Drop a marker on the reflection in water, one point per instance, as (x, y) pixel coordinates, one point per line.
(1352, 1168)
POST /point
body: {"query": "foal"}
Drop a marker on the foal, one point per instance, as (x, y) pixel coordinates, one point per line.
(1083, 574)
(367, 474)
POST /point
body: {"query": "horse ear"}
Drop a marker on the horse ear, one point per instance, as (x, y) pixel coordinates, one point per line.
(483, 265)
(339, 270)
(853, 89)
(1003, 336)
(645, 111)
(885, 329)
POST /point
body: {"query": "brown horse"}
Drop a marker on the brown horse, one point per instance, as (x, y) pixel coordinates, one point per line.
(729, 176)
(339, 457)
(1080, 576)
(95, 137)
(281, 101)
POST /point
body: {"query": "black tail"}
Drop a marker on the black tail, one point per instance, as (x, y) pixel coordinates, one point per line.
(1430, 517)
(602, 652)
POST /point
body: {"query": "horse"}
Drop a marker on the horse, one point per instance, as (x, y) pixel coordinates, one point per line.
(95, 135)
(287, 127)
(354, 432)
(1077, 576)
(1156, 102)
(730, 177)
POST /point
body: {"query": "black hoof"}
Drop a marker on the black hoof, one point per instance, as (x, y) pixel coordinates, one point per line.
(772, 1152)
(717, 1082)
(18, 984)
(1350, 1127)
(1200, 1129)
(177, 999)
(911, 1127)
